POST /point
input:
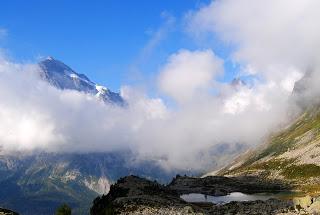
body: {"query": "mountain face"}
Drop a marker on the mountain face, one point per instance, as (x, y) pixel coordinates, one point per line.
(38, 183)
(63, 77)
(306, 91)
(291, 155)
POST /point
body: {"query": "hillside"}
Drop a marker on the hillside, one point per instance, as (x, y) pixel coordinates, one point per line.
(292, 155)
(45, 181)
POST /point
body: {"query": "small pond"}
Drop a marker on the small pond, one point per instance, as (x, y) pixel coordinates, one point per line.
(235, 196)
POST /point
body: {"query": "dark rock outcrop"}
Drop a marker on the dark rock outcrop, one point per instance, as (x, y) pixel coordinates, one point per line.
(134, 195)
(133, 190)
(220, 185)
(7, 212)
(271, 206)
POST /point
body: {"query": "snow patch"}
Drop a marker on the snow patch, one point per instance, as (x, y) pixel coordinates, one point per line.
(74, 76)
(101, 89)
(49, 58)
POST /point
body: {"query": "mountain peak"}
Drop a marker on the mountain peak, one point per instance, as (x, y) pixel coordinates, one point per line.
(49, 58)
(63, 77)
(238, 82)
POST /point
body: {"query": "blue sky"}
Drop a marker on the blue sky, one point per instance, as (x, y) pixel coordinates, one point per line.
(106, 40)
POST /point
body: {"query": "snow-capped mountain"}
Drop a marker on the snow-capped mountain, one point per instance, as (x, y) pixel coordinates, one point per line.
(39, 182)
(63, 77)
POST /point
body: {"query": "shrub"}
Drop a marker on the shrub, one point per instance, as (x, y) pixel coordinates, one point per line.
(63, 210)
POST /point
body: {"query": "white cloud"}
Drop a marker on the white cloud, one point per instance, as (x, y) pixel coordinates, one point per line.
(275, 40)
(264, 33)
(36, 116)
(188, 73)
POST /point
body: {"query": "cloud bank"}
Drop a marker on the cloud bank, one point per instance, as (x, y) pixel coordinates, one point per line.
(187, 74)
(38, 117)
(272, 37)
(272, 41)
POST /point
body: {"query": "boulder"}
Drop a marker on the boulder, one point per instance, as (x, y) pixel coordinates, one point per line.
(314, 208)
(302, 202)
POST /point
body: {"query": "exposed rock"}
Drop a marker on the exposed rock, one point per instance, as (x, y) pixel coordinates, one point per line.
(7, 212)
(271, 206)
(314, 208)
(162, 211)
(219, 185)
(101, 185)
(303, 202)
(130, 192)
(134, 195)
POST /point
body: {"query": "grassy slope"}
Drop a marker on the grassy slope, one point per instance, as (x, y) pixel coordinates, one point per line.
(292, 155)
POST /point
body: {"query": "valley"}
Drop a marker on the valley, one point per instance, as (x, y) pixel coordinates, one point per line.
(286, 163)
(168, 107)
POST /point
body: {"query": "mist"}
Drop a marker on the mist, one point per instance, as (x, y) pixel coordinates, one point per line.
(272, 43)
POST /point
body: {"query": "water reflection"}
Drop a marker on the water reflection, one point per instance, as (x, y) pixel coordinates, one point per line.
(235, 196)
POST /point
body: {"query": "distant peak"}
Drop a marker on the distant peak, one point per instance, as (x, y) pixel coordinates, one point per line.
(238, 82)
(49, 58)
(101, 88)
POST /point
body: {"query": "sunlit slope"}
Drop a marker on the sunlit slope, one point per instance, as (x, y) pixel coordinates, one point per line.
(293, 155)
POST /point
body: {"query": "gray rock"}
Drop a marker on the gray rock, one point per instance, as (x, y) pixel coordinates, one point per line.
(302, 202)
(134, 195)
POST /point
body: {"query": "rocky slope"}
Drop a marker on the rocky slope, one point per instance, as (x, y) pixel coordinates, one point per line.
(220, 185)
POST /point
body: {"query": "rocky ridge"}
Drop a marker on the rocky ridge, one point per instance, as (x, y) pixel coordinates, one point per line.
(63, 77)
(134, 195)
(7, 212)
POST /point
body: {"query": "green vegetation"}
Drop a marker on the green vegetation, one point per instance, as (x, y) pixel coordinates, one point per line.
(287, 139)
(311, 189)
(301, 171)
(63, 210)
(288, 169)
(275, 164)
(277, 147)
(268, 163)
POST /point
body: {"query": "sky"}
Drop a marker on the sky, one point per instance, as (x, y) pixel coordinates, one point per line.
(173, 62)
(102, 39)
